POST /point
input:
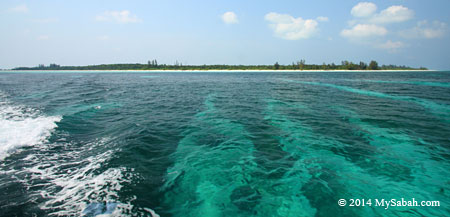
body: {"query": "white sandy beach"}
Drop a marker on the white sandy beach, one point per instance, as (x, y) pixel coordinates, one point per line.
(218, 70)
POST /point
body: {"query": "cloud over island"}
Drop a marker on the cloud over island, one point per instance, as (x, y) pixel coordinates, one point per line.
(288, 27)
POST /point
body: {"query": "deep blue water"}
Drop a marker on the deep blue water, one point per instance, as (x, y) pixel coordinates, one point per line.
(223, 144)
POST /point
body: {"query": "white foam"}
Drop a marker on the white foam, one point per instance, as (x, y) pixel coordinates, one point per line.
(152, 212)
(21, 126)
(68, 180)
(68, 192)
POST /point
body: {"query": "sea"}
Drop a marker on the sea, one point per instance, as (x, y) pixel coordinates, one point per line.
(210, 144)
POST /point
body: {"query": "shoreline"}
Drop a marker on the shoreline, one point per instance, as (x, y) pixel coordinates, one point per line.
(219, 70)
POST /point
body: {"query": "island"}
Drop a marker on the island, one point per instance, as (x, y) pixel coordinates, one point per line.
(298, 65)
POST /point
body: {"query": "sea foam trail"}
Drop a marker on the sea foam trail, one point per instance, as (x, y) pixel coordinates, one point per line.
(21, 126)
(440, 110)
(75, 182)
(212, 171)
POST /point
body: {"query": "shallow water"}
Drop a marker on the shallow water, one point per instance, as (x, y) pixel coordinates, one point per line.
(223, 144)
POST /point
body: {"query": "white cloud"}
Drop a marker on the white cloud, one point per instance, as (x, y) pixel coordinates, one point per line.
(287, 27)
(43, 37)
(424, 29)
(393, 14)
(364, 31)
(322, 19)
(364, 9)
(118, 16)
(230, 18)
(20, 9)
(391, 46)
(369, 26)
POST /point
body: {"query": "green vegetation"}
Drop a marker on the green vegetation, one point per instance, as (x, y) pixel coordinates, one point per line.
(299, 65)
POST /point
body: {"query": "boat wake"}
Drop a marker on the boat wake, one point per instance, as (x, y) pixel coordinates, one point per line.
(21, 126)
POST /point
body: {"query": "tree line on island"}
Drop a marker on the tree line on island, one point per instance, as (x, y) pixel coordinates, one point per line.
(299, 65)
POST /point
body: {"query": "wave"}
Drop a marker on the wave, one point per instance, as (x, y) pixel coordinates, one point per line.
(22, 126)
(63, 178)
(88, 109)
(72, 183)
(149, 76)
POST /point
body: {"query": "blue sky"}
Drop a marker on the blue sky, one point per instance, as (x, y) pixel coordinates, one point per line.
(401, 32)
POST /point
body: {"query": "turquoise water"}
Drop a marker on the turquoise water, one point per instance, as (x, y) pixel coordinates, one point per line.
(223, 144)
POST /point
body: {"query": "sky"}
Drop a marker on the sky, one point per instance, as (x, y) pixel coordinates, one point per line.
(401, 32)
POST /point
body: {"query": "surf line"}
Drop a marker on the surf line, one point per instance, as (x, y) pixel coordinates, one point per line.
(213, 166)
(440, 110)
